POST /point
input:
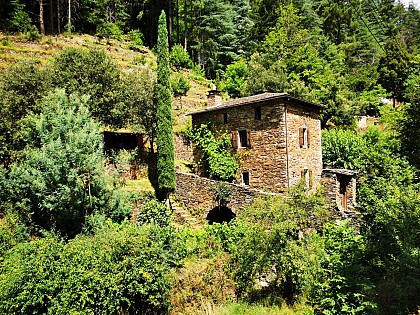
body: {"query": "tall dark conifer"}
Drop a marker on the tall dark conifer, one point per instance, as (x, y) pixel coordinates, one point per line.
(164, 133)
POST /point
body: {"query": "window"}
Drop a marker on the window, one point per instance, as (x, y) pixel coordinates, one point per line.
(257, 113)
(245, 178)
(303, 137)
(304, 176)
(225, 118)
(244, 138)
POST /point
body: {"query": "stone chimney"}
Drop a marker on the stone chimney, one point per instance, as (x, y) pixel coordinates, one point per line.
(214, 97)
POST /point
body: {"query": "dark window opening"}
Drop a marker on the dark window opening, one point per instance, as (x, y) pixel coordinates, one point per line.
(303, 137)
(225, 118)
(304, 176)
(244, 138)
(220, 215)
(258, 113)
(245, 178)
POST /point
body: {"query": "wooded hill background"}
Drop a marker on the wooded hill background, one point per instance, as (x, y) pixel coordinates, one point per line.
(345, 54)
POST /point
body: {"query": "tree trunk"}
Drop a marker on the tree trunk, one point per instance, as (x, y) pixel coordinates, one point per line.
(177, 21)
(185, 24)
(58, 17)
(170, 23)
(69, 18)
(41, 17)
(51, 17)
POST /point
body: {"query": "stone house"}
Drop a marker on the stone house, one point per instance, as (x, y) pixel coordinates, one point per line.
(276, 136)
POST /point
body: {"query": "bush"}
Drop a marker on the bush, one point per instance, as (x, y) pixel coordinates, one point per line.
(179, 84)
(120, 269)
(222, 193)
(136, 37)
(92, 72)
(290, 251)
(179, 58)
(344, 286)
(234, 78)
(109, 30)
(61, 178)
(279, 248)
(217, 160)
(12, 232)
(33, 34)
(19, 20)
(154, 212)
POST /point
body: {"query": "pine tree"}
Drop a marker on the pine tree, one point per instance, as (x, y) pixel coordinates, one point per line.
(164, 141)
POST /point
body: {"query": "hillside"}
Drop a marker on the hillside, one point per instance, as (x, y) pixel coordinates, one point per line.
(128, 57)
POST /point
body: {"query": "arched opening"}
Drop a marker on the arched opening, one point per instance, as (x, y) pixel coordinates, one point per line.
(220, 215)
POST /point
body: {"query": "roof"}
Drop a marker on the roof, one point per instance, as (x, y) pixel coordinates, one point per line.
(340, 171)
(255, 99)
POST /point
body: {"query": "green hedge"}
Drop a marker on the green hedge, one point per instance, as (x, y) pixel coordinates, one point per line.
(121, 269)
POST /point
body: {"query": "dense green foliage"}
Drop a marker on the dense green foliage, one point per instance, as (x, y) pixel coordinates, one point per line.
(154, 212)
(388, 197)
(179, 58)
(21, 89)
(116, 269)
(60, 179)
(290, 250)
(93, 73)
(116, 99)
(410, 140)
(164, 133)
(217, 161)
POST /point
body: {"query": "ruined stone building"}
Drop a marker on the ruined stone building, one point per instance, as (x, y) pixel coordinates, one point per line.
(277, 138)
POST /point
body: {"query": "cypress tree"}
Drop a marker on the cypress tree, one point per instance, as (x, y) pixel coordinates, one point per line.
(164, 133)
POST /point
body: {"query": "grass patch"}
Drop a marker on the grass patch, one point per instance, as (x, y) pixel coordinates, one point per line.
(248, 309)
(138, 185)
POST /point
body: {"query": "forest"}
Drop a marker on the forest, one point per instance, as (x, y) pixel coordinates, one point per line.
(79, 236)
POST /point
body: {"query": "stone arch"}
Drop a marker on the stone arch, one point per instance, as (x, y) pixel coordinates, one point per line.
(220, 215)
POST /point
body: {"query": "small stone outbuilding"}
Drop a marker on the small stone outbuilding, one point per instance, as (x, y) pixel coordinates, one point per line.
(340, 188)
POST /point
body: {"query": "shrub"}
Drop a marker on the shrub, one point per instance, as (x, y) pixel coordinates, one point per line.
(109, 30)
(12, 232)
(179, 84)
(219, 163)
(136, 37)
(154, 212)
(222, 193)
(234, 78)
(19, 20)
(92, 72)
(179, 58)
(278, 247)
(32, 34)
(120, 269)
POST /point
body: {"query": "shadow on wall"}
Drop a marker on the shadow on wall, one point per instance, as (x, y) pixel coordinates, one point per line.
(220, 215)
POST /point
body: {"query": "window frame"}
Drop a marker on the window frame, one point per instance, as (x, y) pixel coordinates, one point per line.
(225, 118)
(303, 137)
(257, 113)
(247, 177)
(244, 138)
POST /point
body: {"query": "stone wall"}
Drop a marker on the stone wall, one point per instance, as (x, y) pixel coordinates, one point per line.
(304, 160)
(183, 150)
(197, 193)
(274, 159)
